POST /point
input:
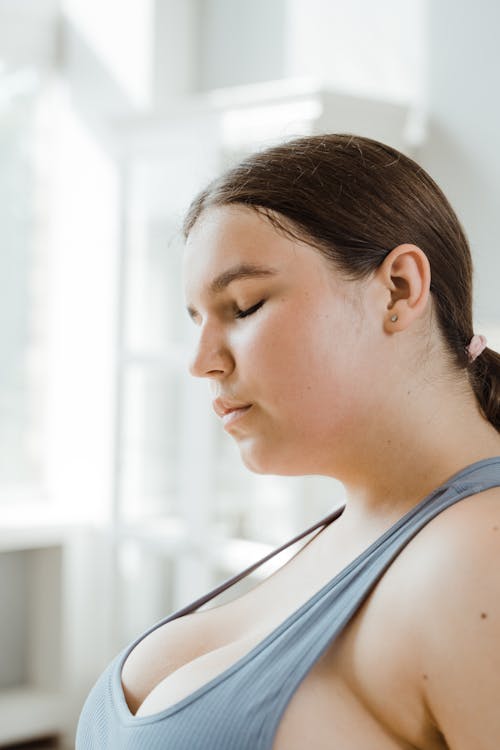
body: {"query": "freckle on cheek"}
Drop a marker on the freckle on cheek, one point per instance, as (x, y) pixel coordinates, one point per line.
(483, 615)
(425, 676)
(495, 528)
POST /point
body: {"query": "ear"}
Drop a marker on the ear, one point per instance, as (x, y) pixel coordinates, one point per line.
(405, 275)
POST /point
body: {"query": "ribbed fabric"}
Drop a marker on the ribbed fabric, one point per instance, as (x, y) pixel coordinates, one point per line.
(240, 709)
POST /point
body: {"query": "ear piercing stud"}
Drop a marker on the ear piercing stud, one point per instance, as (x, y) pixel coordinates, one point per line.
(394, 318)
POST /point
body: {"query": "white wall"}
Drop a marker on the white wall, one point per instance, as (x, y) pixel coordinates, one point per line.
(373, 49)
(463, 150)
(240, 42)
(349, 46)
(28, 32)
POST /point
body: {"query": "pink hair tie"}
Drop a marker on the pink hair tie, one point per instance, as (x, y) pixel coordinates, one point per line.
(476, 346)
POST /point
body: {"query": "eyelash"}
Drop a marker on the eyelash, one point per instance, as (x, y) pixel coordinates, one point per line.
(249, 311)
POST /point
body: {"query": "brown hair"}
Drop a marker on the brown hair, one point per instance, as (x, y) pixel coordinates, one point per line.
(354, 199)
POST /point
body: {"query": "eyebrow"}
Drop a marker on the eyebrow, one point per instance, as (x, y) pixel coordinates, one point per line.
(235, 273)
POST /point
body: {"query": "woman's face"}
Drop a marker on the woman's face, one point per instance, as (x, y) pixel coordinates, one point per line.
(299, 355)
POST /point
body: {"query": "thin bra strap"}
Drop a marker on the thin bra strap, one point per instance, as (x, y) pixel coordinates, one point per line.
(231, 581)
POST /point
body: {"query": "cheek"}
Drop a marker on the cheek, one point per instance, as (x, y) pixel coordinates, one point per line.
(298, 360)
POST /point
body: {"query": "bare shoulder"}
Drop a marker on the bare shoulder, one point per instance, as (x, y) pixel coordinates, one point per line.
(463, 539)
(459, 553)
(458, 602)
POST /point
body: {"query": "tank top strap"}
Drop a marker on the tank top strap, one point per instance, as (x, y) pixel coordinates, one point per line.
(326, 521)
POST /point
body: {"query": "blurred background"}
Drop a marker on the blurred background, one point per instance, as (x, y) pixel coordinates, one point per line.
(121, 497)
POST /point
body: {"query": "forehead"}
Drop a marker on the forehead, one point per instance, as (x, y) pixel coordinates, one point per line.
(226, 236)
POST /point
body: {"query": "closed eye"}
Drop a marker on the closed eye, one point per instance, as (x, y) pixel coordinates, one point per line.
(249, 310)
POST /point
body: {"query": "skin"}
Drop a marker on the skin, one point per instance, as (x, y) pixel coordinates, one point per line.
(340, 390)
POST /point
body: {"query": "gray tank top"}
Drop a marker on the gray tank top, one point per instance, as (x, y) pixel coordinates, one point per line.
(240, 709)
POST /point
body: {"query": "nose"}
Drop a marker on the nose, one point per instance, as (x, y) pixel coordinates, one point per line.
(211, 357)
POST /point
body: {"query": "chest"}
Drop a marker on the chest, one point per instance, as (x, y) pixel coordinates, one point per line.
(361, 691)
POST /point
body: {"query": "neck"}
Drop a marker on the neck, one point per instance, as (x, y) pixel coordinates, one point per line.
(427, 446)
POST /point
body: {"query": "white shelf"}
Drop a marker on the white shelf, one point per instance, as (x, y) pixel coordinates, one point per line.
(28, 713)
(34, 536)
(169, 536)
(166, 535)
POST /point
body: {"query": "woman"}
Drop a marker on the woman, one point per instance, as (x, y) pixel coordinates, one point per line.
(331, 285)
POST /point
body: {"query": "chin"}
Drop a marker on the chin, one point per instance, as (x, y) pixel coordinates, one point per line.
(270, 464)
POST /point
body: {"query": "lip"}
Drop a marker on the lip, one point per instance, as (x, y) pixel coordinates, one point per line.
(224, 406)
(230, 417)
